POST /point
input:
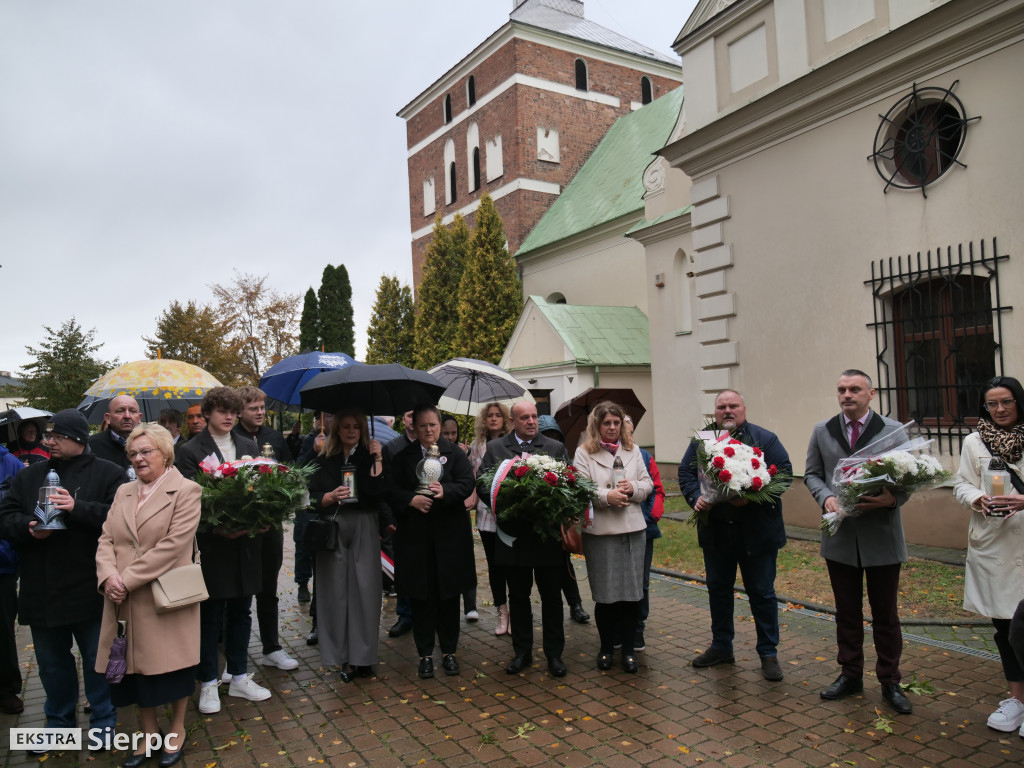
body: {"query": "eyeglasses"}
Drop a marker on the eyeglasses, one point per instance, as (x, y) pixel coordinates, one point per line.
(143, 453)
(54, 436)
(992, 405)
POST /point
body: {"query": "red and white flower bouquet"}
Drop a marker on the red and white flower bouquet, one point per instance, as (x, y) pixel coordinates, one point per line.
(730, 469)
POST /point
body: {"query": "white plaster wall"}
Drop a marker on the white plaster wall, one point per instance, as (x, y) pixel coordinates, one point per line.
(609, 272)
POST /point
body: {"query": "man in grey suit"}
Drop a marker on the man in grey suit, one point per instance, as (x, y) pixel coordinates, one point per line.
(867, 547)
(525, 556)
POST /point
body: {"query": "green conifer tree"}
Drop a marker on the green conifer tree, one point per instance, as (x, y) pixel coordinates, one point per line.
(337, 330)
(490, 295)
(309, 333)
(389, 338)
(63, 367)
(437, 302)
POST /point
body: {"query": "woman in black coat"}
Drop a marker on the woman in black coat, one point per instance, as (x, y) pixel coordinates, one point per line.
(434, 561)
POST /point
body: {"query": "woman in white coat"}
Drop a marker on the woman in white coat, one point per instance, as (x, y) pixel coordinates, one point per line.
(994, 583)
(614, 545)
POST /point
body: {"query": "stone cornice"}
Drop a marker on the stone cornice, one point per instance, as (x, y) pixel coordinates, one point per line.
(916, 51)
(511, 30)
(663, 230)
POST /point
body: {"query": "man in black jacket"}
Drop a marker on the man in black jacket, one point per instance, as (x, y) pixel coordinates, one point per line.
(59, 599)
(525, 556)
(739, 534)
(122, 417)
(250, 424)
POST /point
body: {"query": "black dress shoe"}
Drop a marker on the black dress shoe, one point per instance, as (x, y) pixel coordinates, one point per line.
(578, 614)
(843, 686)
(519, 663)
(712, 657)
(399, 628)
(345, 676)
(134, 761)
(426, 669)
(557, 667)
(604, 660)
(167, 759)
(303, 593)
(896, 698)
(312, 638)
(630, 664)
(364, 671)
(450, 664)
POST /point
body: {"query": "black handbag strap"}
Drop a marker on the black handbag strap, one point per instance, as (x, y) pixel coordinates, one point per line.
(1015, 479)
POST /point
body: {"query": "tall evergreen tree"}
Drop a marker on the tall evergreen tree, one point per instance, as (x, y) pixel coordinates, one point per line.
(490, 295)
(437, 302)
(64, 366)
(389, 338)
(337, 328)
(309, 333)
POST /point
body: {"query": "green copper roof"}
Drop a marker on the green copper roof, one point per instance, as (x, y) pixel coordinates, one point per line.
(600, 335)
(610, 184)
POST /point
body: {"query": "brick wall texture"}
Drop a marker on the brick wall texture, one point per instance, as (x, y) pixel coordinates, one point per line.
(516, 114)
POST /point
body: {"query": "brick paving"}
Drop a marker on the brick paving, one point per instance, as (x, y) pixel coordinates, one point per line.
(668, 715)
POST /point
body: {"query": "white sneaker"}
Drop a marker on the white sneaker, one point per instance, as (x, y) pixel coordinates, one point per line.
(279, 659)
(472, 616)
(247, 688)
(1009, 717)
(226, 677)
(209, 699)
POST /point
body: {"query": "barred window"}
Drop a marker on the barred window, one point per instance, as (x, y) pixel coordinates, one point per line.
(937, 330)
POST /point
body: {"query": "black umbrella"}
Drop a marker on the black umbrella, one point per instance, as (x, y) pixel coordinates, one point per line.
(13, 417)
(374, 389)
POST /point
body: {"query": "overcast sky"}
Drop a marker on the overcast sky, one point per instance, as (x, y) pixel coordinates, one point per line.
(149, 148)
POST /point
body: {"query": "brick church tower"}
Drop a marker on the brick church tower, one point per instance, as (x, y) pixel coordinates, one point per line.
(520, 114)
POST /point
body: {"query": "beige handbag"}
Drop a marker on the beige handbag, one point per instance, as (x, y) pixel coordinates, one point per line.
(181, 586)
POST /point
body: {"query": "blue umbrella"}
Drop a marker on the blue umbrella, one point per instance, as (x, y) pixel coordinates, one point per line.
(283, 380)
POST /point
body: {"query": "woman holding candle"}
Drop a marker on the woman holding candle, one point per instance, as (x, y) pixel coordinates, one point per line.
(994, 576)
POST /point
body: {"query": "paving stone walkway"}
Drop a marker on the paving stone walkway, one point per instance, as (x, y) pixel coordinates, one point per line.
(667, 715)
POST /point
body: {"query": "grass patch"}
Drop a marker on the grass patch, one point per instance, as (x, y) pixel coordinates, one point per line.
(927, 589)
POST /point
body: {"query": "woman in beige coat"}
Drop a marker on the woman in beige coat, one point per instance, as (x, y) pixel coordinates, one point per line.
(614, 545)
(160, 511)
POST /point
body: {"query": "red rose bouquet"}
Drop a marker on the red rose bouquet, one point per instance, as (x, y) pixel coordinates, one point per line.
(251, 494)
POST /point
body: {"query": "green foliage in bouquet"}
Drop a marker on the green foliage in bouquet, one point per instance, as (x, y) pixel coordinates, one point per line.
(249, 495)
(541, 491)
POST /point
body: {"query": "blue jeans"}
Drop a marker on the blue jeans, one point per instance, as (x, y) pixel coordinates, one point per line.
(58, 671)
(236, 636)
(758, 573)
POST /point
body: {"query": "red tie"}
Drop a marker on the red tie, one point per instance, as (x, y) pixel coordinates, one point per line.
(854, 433)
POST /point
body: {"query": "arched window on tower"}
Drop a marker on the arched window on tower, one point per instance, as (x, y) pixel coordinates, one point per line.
(473, 157)
(449, 175)
(581, 75)
(447, 108)
(471, 90)
(646, 90)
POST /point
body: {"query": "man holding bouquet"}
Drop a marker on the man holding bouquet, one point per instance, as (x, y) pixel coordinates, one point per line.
(524, 553)
(739, 533)
(866, 547)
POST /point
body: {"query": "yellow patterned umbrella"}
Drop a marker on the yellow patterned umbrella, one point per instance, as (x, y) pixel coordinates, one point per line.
(156, 384)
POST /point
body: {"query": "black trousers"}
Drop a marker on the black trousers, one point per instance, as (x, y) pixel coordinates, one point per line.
(883, 583)
(549, 585)
(436, 617)
(10, 672)
(271, 559)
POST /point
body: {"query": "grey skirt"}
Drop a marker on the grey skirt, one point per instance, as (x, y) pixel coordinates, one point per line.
(615, 566)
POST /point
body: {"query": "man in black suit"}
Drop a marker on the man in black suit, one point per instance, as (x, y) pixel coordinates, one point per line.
(122, 416)
(527, 557)
(231, 560)
(250, 424)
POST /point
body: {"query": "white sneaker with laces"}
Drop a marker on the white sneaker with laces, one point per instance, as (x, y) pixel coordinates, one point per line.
(209, 699)
(279, 659)
(472, 616)
(247, 688)
(1009, 717)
